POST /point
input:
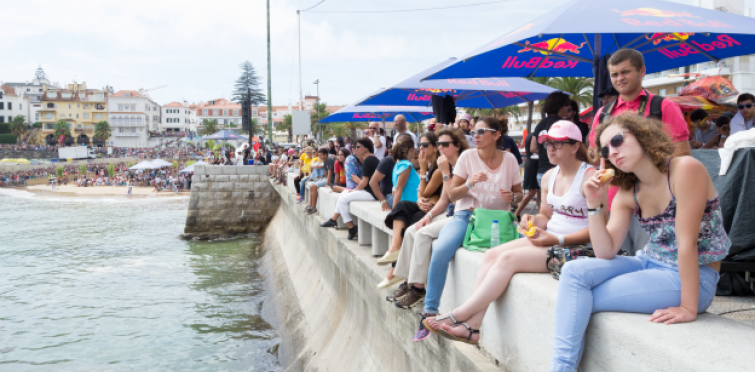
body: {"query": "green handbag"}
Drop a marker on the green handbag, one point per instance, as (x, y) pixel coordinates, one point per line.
(478, 230)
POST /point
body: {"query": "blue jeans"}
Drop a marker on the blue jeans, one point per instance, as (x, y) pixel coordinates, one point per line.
(389, 199)
(637, 284)
(540, 179)
(449, 240)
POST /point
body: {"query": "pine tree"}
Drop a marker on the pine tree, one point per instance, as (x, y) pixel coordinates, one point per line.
(248, 80)
(40, 73)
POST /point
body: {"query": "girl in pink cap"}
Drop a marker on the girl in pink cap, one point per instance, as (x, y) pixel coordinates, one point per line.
(562, 221)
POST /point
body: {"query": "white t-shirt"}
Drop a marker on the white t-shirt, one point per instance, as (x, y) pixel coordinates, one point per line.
(414, 137)
(379, 152)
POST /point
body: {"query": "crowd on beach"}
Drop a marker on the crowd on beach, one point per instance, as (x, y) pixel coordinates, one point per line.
(658, 251)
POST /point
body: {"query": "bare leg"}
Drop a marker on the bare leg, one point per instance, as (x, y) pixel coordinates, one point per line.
(397, 239)
(523, 204)
(313, 196)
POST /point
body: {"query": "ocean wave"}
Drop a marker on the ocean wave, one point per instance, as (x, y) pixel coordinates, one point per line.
(47, 197)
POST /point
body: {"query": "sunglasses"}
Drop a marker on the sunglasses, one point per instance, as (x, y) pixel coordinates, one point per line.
(481, 132)
(358, 147)
(424, 144)
(373, 129)
(615, 142)
(445, 144)
(742, 107)
(558, 144)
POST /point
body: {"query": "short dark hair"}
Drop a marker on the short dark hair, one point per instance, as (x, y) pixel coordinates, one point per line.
(322, 150)
(722, 120)
(367, 143)
(634, 57)
(744, 97)
(698, 115)
(554, 102)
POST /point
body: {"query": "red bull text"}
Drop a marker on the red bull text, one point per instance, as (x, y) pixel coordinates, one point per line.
(511, 62)
(366, 116)
(418, 98)
(555, 45)
(722, 42)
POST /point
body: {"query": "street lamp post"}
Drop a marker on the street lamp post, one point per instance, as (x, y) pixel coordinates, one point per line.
(317, 106)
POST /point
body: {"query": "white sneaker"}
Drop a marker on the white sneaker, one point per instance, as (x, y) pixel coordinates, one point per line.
(389, 283)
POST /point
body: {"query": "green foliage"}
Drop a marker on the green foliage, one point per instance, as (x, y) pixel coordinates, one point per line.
(37, 125)
(83, 169)
(190, 162)
(248, 80)
(175, 164)
(111, 170)
(102, 130)
(209, 126)
(62, 129)
(315, 117)
(4, 128)
(416, 126)
(286, 125)
(17, 126)
(59, 171)
(580, 88)
(210, 144)
(8, 138)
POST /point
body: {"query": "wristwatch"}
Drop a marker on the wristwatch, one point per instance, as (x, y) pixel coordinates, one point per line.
(595, 212)
(446, 178)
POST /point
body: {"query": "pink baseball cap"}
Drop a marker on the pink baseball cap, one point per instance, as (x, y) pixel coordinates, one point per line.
(466, 117)
(562, 130)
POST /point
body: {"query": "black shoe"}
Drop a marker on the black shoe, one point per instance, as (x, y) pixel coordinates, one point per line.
(398, 294)
(329, 223)
(352, 233)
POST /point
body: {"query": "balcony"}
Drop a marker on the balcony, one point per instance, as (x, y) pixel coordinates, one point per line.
(125, 134)
(83, 131)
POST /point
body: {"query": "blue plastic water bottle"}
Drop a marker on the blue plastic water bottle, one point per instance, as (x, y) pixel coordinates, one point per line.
(495, 234)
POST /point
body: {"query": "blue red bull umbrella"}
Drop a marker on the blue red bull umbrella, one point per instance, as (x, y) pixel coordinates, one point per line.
(572, 39)
(377, 113)
(473, 93)
(223, 135)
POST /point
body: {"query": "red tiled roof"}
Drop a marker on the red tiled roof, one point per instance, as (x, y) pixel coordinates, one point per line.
(8, 90)
(120, 93)
(174, 104)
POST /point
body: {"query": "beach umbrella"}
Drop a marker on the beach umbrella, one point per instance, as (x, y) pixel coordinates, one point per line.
(372, 113)
(577, 38)
(190, 168)
(223, 135)
(161, 163)
(142, 165)
(481, 93)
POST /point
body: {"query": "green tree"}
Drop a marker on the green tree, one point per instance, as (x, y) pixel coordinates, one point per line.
(580, 88)
(210, 144)
(209, 126)
(61, 129)
(18, 127)
(416, 126)
(59, 171)
(83, 169)
(37, 125)
(248, 80)
(337, 129)
(286, 125)
(111, 170)
(102, 131)
(315, 117)
(499, 112)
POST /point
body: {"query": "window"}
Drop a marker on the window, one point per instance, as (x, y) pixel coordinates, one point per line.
(2, 119)
(120, 107)
(225, 112)
(50, 105)
(65, 95)
(78, 105)
(133, 107)
(78, 126)
(127, 94)
(254, 112)
(49, 126)
(2, 106)
(69, 105)
(99, 97)
(52, 95)
(48, 116)
(36, 116)
(139, 120)
(97, 116)
(77, 116)
(235, 112)
(20, 106)
(662, 92)
(86, 105)
(204, 112)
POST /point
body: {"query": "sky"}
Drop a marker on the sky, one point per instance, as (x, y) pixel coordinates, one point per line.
(196, 47)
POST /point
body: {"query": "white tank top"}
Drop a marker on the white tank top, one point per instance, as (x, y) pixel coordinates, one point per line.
(570, 209)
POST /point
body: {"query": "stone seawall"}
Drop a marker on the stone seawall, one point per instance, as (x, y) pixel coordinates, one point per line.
(229, 200)
(28, 154)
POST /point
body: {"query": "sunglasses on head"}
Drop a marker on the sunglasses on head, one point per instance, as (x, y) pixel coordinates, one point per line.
(742, 107)
(481, 131)
(424, 144)
(444, 144)
(615, 142)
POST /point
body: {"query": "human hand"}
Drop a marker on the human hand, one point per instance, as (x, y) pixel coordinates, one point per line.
(443, 165)
(543, 238)
(385, 207)
(422, 157)
(478, 177)
(423, 222)
(595, 189)
(424, 205)
(673, 315)
(527, 221)
(507, 196)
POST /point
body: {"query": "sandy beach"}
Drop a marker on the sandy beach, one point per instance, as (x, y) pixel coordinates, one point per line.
(103, 190)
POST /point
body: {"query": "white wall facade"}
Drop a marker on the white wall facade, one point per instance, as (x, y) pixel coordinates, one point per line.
(12, 106)
(178, 118)
(129, 120)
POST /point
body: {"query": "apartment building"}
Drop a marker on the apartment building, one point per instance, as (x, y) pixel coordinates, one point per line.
(179, 117)
(78, 106)
(227, 113)
(33, 90)
(12, 104)
(132, 114)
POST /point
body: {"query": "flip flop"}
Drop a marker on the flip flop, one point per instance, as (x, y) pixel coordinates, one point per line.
(427, 325)
(467, 340)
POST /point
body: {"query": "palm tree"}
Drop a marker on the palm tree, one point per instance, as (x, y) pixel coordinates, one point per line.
(209, 126)
(102, 131)
(62, 129)
(18, 127)
(580, 88)
(416, 126)
(499, 112)
(286, 125)
(352, 127)
(315, 117)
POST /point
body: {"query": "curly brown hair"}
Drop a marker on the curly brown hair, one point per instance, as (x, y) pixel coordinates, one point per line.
(457, 138)
(651, 137)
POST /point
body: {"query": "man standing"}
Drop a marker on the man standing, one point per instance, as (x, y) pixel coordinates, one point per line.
(399, 122)
(743, 119)
(377, 140)
(704, 129)
(627, 68)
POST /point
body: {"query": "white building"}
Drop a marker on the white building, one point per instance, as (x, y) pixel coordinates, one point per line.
(33, 90)
(131, 115)
(12, 105)
(178, 117)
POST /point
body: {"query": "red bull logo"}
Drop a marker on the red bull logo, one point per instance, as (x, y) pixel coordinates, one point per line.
(668, 18)
(722, 42)
(553, 45)
(511, 62)
(366, 116)
(662, 36)
(419, 98)
(653, 13)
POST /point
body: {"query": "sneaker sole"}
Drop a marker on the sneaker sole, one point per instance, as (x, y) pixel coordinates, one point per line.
(411, 305)
(394, 299)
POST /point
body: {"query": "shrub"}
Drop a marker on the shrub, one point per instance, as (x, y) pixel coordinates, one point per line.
(83, 169)
(59, 171)
(7, 138)
(37, 125)
(4, 128)
(111, 170)
(175, 164)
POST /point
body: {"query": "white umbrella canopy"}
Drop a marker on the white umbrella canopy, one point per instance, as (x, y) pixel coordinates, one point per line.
(142, 165)
(160, 163)
(190, 168)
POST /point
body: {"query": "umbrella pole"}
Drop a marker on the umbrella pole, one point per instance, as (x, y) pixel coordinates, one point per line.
(530, 107)
(386, 133)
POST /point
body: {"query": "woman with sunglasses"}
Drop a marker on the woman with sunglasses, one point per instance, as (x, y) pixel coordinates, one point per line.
(408, 208)
(562, 221)
(363, 149)
(675, 275)
(484, 177)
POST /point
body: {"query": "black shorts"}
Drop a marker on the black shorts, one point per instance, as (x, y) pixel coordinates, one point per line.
(405, 211)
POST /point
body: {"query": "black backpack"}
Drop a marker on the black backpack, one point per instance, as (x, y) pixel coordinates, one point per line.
(655, 109)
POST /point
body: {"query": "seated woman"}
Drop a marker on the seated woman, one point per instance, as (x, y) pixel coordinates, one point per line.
(484, 177)
(353, 169)
(674, 277)
(363, 148)
(407, 212)
(339, 171)
(562, 220)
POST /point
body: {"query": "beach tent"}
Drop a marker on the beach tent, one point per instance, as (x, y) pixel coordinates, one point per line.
(142, 165)
(190, 168)
(224, 135)
(160, 163)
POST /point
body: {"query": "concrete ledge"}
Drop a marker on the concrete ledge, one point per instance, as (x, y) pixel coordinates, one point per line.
(517, 332)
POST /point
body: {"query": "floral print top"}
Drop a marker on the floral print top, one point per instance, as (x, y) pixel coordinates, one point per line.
(712, 242)
(352, 167)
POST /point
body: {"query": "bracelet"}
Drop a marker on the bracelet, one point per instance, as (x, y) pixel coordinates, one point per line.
(468, 186)
(430, 214)
(514, 201)
(560, 240)
(384, 202)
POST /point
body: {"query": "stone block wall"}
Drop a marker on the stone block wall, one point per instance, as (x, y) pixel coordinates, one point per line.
(229, 200)
(27, 154)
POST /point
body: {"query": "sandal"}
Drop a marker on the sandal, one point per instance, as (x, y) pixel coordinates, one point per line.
(447, 316)
(468, 340)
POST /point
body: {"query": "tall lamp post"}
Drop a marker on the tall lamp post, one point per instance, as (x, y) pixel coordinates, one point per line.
(317, 106)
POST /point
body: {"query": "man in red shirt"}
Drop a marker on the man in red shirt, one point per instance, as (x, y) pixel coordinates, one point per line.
(627, 68)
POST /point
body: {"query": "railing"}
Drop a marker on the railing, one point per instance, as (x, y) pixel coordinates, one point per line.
(125, 134)
(83, 130)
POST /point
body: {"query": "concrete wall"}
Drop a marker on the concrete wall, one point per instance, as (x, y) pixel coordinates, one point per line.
(335, 319)
(230, 200)
(28, 154)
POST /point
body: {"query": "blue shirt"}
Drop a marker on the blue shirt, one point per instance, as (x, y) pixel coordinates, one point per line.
(411, 188)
